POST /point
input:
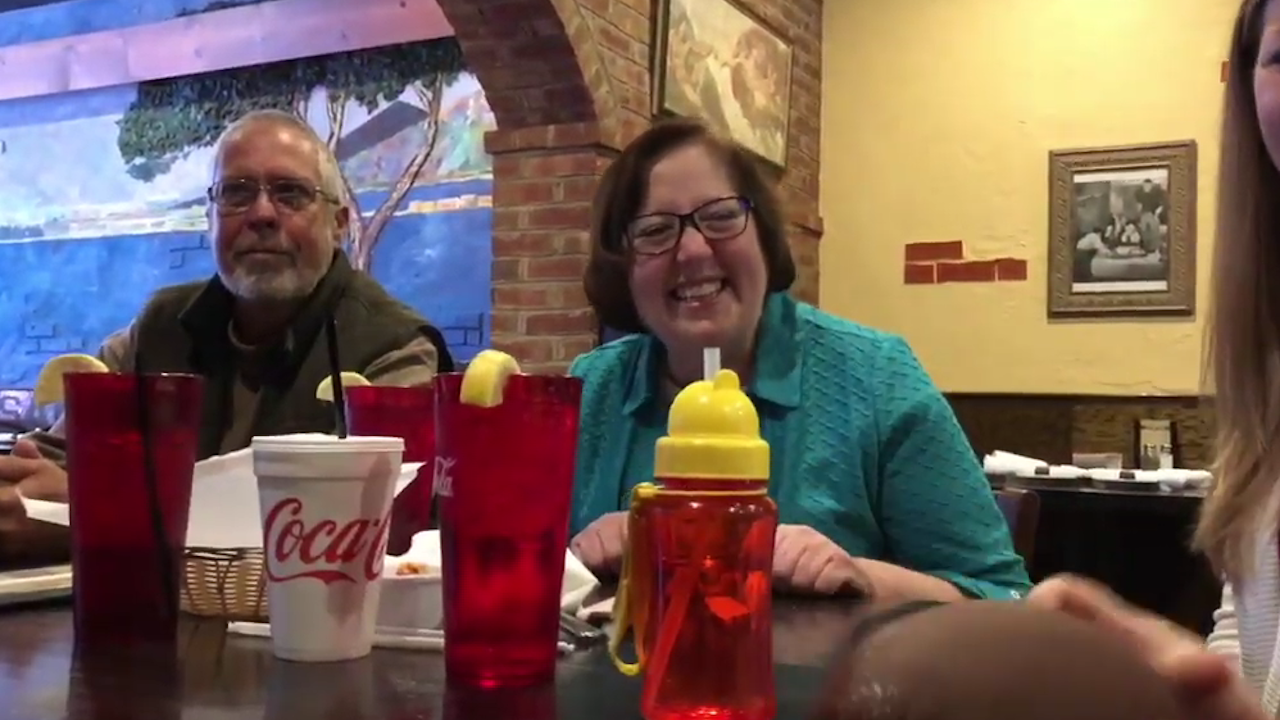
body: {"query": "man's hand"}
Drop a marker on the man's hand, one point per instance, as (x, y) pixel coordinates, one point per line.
(806, 561)
(27, 472)
(602, 544)
(1207, 683)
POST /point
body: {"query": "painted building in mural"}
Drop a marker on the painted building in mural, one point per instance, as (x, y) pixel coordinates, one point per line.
(102, 192)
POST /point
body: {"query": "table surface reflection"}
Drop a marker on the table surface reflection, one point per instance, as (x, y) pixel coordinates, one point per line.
(223, 676)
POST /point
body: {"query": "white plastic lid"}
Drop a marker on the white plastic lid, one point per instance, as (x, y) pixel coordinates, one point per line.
(322, 443)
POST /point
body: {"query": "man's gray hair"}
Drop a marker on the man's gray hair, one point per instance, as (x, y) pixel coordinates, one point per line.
(330, 179)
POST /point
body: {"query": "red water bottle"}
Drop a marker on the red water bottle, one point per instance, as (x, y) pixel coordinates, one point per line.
(696, 588)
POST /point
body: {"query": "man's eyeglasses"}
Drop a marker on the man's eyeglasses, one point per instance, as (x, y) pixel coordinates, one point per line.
(235, 196)
(657, 233)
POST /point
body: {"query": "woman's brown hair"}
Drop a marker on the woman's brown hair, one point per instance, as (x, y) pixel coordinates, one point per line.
(1243, 334)
(623, 191)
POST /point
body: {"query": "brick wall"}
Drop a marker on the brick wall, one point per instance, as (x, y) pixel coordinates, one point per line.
(568, 81)
(929, 263)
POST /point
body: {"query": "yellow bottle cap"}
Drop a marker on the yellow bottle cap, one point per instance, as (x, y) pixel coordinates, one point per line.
(713, 434)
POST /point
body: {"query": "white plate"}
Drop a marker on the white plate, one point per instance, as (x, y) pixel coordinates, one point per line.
(383, 637)
(33, 584)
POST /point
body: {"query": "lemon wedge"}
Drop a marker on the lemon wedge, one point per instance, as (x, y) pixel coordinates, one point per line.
(486, 378)
(49, 384)
(324, 391)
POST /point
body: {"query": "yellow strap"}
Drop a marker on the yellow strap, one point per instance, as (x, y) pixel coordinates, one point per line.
(620, 633)
(622, 601)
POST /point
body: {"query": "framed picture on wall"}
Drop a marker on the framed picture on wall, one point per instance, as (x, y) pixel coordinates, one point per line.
(1122, 231)
(715, 61)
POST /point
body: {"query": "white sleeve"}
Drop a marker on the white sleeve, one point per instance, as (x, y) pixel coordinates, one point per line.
(1225, 638)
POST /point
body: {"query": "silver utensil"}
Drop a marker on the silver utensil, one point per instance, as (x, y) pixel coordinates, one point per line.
(581, 634)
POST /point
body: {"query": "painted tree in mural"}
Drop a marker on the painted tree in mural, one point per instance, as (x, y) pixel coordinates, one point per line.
(171, 118)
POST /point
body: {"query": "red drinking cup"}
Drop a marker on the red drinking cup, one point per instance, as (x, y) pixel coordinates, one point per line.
(130, 495)
(407, 413)
(504, 480)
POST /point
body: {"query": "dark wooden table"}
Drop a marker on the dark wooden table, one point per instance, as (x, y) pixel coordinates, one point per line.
(226, 677)
(1136, 542)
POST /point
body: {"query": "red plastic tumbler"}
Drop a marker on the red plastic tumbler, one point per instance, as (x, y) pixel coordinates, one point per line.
(131, 452)
(504, 478)
(407, 413)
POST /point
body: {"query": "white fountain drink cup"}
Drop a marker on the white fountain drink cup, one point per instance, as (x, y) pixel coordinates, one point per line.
(326, 505)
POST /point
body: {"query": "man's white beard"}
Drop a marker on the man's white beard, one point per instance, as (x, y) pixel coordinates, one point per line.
(290, 285)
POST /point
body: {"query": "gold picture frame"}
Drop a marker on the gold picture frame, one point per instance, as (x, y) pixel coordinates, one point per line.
(716, 61)
(1122, 231)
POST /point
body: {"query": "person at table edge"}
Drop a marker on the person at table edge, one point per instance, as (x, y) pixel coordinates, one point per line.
(876, 485)
(255, 330)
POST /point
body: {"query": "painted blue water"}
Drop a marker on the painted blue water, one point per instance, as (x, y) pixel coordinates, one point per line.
(66, 296)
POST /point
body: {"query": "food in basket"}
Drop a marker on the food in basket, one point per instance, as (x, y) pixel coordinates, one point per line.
(410, 568)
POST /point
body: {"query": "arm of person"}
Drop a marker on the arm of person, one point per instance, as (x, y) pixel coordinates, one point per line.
(30, 542)
(936, 509)
(412, 364)
(1225, 637)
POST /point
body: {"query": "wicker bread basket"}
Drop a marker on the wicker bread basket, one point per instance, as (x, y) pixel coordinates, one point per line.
(224, 583)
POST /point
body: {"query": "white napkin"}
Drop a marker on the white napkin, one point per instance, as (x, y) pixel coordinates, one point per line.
(55, 513)
(224, 502)
(577, 584)
(1007, 463)
(1169, 479)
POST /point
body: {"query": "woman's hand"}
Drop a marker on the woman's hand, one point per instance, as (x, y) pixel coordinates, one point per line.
(1208, 683)
(806, 561)
(601, 545)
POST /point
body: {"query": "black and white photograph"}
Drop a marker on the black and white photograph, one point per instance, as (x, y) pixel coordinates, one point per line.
(1122, 231)
(1121, 227)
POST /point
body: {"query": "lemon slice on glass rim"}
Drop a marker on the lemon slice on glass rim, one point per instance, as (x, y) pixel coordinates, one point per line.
(486, 378)
(49, 390)
(324, 391)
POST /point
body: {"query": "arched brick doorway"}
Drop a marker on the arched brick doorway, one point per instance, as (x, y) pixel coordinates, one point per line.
(557, 130)
(568, 81)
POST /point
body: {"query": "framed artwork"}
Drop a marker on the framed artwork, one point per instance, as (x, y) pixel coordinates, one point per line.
(1122, 231)
(715, 61)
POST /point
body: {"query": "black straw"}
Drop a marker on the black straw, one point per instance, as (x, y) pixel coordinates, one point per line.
(335, 377)
(163, 550)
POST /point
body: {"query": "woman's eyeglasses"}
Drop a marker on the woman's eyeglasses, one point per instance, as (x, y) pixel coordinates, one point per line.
(720, 219)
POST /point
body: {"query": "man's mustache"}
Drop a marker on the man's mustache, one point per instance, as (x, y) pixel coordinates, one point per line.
(261, 244)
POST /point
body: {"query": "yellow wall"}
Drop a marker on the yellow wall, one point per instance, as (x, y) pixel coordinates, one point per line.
(938, 116)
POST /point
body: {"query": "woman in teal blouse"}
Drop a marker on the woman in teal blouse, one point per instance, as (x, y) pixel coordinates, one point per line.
(875, 482)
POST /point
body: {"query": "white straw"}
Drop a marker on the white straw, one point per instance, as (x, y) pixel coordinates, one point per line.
(710, 363)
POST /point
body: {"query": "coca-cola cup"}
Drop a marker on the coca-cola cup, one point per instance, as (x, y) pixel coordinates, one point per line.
(326, 504)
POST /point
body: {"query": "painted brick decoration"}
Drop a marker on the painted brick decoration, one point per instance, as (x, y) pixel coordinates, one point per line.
(568, 81)
(930, 263)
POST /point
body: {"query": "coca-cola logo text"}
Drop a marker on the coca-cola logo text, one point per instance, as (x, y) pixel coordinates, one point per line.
(326, 549)
(442, 483)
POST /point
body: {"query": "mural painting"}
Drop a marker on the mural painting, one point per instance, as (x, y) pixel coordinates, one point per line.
(102, 193)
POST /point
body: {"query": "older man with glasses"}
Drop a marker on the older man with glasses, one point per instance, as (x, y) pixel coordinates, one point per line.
(277, 218)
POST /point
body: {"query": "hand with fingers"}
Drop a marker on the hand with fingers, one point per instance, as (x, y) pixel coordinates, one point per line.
(1208, 683)
(601, 545)
(26, 472)
(806, 561)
